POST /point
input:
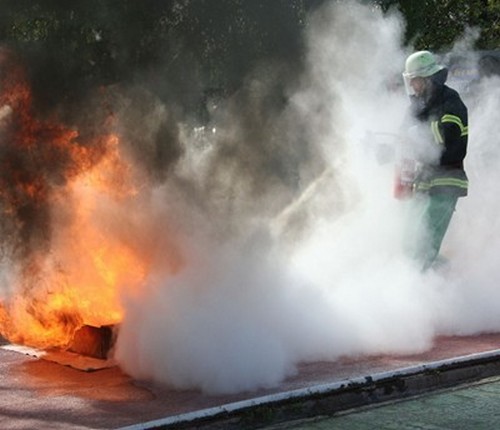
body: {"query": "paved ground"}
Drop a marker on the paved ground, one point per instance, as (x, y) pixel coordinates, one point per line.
(39, 394)
(475, 406)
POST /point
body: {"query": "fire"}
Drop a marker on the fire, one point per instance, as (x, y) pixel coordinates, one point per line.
(63, 202)
(98, 262)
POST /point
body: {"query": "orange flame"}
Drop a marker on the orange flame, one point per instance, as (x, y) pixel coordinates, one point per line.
(79, 278)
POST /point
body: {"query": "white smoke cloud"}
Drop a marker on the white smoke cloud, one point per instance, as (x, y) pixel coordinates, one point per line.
(473, 238)
(245, 310)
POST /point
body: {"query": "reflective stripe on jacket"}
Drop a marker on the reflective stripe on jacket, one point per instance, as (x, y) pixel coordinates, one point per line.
(437, 181)
(446, 115)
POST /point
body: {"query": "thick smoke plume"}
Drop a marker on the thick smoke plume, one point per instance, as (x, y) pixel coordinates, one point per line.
(280, 272)
(270, 236)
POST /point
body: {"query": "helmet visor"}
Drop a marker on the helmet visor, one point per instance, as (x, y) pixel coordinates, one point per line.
(407, 80)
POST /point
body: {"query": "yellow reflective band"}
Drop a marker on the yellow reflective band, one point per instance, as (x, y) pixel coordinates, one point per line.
(423, 186)
(451, 182)
(436, 133)
(464, 130)
(443, 182)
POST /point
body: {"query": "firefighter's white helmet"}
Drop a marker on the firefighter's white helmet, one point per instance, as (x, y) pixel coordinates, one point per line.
(421, 64)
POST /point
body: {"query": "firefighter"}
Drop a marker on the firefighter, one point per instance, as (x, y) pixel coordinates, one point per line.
(440, 114)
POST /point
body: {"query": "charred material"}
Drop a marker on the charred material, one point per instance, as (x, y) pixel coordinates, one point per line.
(93, 341)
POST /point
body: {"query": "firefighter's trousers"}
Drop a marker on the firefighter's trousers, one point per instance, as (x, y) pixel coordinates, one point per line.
(436, 219)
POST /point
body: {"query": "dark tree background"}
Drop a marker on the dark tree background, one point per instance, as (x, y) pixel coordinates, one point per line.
(190, 46)
(186, 49)
(436, 24)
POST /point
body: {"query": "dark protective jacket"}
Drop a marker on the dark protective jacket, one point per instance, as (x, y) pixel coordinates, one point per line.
(446, 115)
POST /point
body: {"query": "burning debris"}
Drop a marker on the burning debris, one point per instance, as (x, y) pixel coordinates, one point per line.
(92, 341)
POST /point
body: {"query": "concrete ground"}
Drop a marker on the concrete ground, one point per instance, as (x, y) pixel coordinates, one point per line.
(40, 394)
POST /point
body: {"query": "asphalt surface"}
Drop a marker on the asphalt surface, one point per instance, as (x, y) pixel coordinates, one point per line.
(474, 406)
(39, 394)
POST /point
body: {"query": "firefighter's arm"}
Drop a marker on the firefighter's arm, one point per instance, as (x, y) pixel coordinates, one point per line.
(454, 133)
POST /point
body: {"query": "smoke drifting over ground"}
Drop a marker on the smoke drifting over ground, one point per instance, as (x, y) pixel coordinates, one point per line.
(316, 268)
(272, 236)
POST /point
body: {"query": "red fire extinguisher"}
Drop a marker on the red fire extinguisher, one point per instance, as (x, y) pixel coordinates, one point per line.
(404, 181)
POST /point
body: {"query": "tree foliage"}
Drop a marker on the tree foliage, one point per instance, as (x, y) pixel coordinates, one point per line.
(194, 46)
(71, 45)
(437, 24)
